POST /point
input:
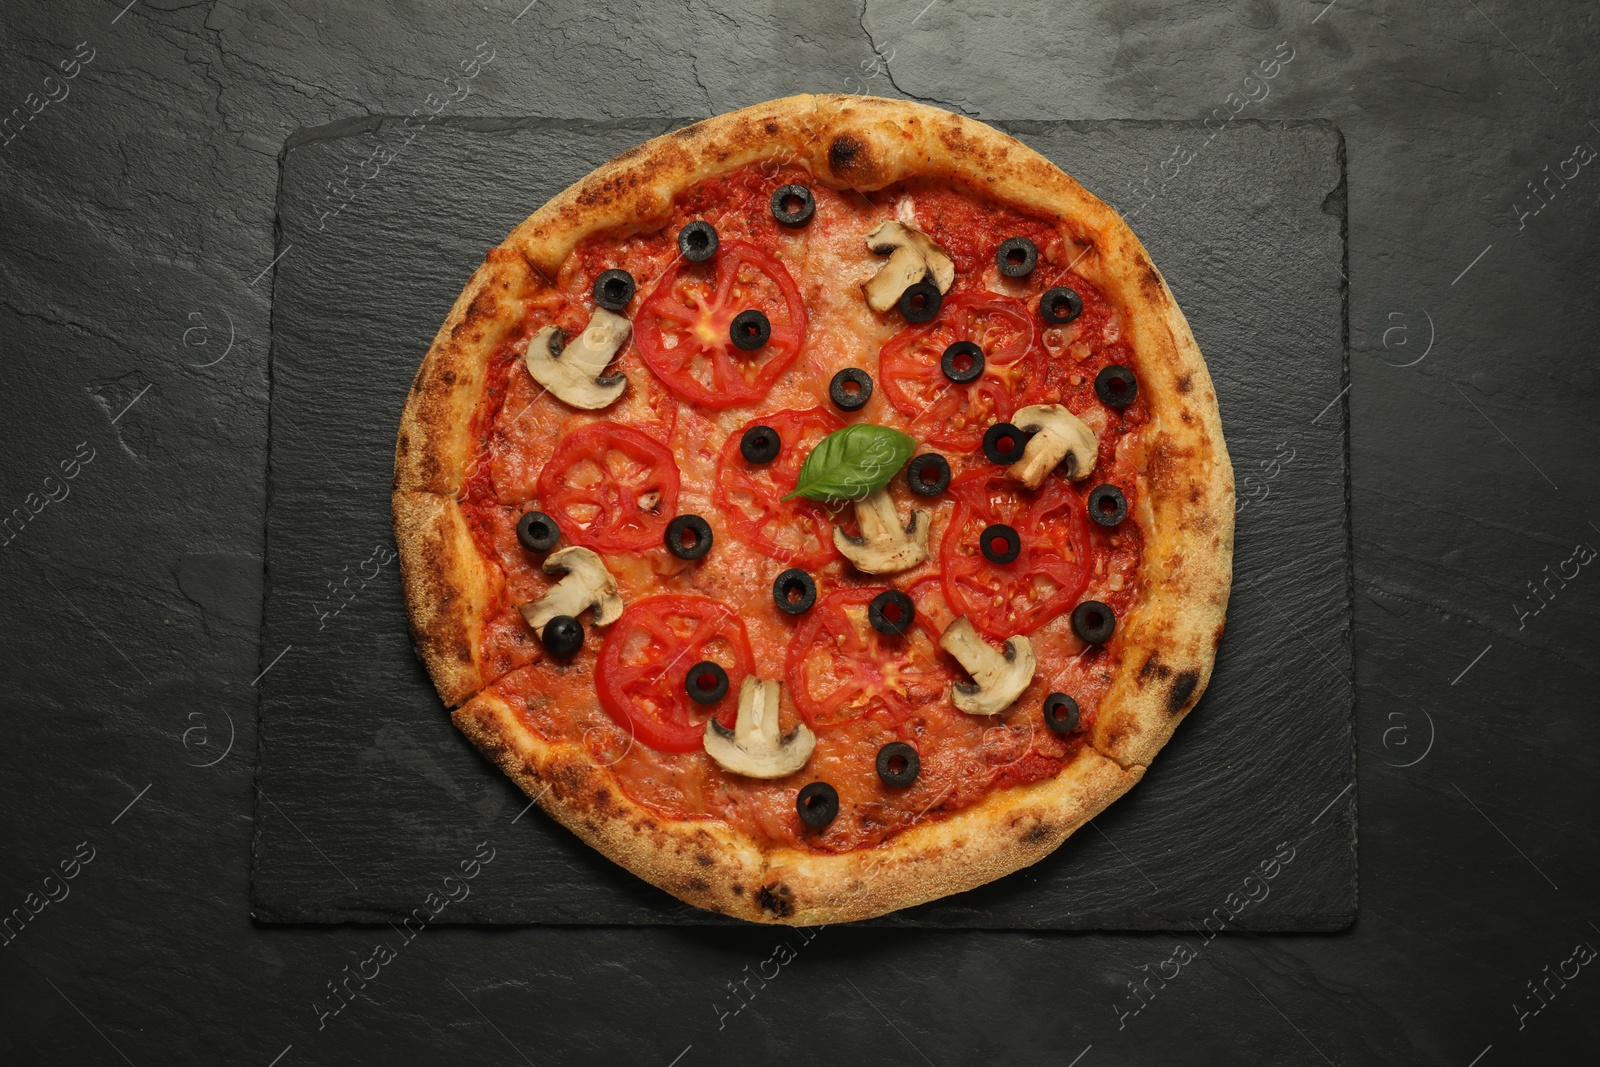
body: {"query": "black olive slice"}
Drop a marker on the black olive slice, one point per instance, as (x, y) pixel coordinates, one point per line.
(793, 205)
(538, 532)
(928, 474)
(898, 764)
(698, 241)
(794, 591)
(749, 330)
(1116, 385)
(1094, 622)
(891, 612)
(688, 537)
(962, 362)
(1003, 443)
(562, 637)
(843, 397)
(613, 289)
(1061, 713)
(1016, 257)
(760, 444)
(1060, 305)
(999, 543)
(1107, 505)
(920, 302)
(706, 682)
(818, 804)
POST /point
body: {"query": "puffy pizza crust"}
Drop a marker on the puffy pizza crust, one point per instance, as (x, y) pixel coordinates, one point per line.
(1167, 643)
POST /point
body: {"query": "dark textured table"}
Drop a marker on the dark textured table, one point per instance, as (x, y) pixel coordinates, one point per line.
(141, 165)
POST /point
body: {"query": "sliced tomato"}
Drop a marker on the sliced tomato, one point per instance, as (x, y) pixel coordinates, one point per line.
(1048, 575)
(645, 660)
(839, 668)
(750, 495)
(950, 414)
(681, 329)
(610, 487)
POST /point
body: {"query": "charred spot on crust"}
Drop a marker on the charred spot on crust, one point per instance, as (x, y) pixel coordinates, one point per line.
(843, 151)
(704, 860)
(772, 127)
(448, 377)
(1154, 667)
(1186, 383)
(738, 890)
(1183, 687)
(1040, 832)
(699, 885)
(774, 897)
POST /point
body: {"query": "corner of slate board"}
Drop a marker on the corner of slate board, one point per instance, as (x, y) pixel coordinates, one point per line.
(369, 797)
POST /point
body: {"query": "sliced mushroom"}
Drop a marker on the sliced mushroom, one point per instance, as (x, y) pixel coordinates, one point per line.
(576, 373)
(912, 257)
(884, 545)
(587, 585)
(1058, 435)
(753, 748)
(998, 678)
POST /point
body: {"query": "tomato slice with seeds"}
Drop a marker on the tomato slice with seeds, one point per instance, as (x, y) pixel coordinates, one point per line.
(950, 414)
(681, 329)
(645, 660)
(798, 532)
(839, 668)
(1049, 573)
(610, 487)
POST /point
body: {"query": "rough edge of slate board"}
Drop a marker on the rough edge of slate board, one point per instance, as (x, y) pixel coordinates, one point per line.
(673, 912)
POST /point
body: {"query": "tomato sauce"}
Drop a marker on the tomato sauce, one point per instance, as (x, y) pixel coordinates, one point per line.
(894, 689)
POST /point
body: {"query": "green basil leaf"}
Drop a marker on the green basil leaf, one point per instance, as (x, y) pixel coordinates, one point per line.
(852, 462)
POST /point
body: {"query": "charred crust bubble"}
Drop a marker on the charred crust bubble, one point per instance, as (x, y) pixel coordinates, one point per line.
(843, 151)
(1183, 687)
(774, 897)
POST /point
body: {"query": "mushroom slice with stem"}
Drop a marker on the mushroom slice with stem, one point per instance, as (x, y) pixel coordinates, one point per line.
(576, 373)
(753, 748)
(998, 678)
(912, 257)
(587, 585)
(884, 546)
(1058, 435)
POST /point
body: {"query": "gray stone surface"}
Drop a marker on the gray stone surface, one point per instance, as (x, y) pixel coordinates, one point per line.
(147, 196)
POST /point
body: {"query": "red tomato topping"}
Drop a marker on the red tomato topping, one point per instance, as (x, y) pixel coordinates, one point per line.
(610, 487)
(943, 412)
(646, 658)
(1048, 575)
(798, 532)
(839, 668)
(681, 329)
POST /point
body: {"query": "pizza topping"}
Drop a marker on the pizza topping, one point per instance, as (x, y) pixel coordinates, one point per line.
(920, 302)
(697, 242)
(1057, 435)
(999, 543)
(613, 289)
(760, 444)
(611, 487)
(998, 678)
(850, 389)
(753, 747)
(1116, 386)
(1060, 305)
(891, 612)
(1061, 713)
(912, 258)
(1016, 257)
(1107, 506)
(840, 669)
(749, 330)
(793, 205)
(818, 804)
(688, 537)
(794, 591)
(587, 585)
(707, 682)
(562, 636)
(898, 764)
(884, 546)
(576, 373)
(753, 496)
(962, 362)
(928, 474)
(1003, 443)
(537, 532)
(1094, 622)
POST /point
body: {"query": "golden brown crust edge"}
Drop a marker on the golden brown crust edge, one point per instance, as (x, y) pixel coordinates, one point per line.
(708, 865)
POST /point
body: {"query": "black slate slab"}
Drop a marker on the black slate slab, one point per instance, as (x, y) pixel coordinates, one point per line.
(368, 796)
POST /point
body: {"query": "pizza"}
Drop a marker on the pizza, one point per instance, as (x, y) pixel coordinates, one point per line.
(818, 510)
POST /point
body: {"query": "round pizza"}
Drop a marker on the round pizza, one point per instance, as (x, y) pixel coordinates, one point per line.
(818, 510)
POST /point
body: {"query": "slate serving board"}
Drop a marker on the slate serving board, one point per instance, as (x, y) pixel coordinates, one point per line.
(368, 796)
